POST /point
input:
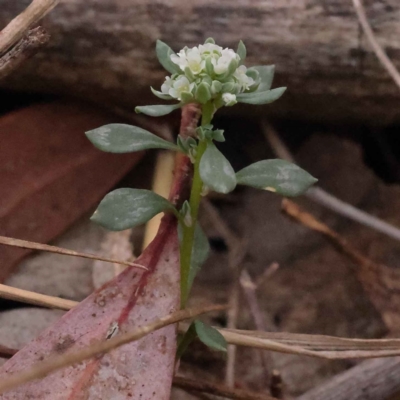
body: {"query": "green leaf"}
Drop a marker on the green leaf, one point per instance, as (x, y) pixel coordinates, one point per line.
(122, 138)
(158, 110)
(258, 97)
(203, 93)
(241, 51)
(125, 208)
(216, 171)
(185, 340)
(160, 95)
(278, 176)
(210, 336)
(164, 52)
(266, 74)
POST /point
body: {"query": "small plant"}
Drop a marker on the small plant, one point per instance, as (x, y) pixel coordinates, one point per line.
(212, 77)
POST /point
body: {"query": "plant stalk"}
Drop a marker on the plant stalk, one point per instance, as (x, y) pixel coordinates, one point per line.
(194, 201)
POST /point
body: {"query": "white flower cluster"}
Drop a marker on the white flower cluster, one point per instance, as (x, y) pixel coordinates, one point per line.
(208, 73)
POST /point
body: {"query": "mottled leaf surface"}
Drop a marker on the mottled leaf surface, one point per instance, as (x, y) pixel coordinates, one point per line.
(278, 176)
(123, 138)
(139, 370)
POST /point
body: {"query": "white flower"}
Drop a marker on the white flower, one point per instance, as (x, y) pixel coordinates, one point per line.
(210, 49)
(167, 85)
(242, 79)
(189, 58)
(221, 64)
(181, 84)
(229, 99)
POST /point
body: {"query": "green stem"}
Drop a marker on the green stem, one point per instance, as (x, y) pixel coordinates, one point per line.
(195, 197)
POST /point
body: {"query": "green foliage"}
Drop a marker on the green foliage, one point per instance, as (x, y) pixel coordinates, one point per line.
(278, 176)
(126, 208)
(210, 336)
(157, 110)
(216, 171)
(265, 75)
(164, 52)
(241, 51)
(122, 138)
(258, 97)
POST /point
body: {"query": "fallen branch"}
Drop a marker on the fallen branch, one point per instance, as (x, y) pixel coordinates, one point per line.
(378, 50)
(24, 244)
(18, 27)
(23, 50)
(218, 390)
(44, 368)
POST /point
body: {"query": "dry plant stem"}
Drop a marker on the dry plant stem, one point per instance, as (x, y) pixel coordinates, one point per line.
(17, 28)
(249, 290)
(25, 48)
(379, 52)
(25, 296)
(236, 254)
(24, 244)
(324, 198)
(218, 390)
(42, 369)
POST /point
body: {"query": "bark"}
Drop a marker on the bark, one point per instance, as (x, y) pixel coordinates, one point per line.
(104, 51)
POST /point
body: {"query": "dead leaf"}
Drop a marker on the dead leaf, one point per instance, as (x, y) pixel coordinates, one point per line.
(142, 369)
(50, 173)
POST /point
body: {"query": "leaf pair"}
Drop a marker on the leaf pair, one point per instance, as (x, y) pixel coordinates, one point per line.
(278, 176)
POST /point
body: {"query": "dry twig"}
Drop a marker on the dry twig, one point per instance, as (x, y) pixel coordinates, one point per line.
(24, 244)
(378, 50)
(42, 369)
(324, 198)
(380, 282)
(23, 50)
(37, 299)
(18, 27)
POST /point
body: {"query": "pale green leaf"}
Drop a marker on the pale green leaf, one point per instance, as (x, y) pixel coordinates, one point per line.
(266, 75)
(164, 52)
(122, 138)
(278, 176)
(258, 97)
(160, 95)
(241, 51)
(210, 336)
(216, 171)
(157, 110)
(125, 208)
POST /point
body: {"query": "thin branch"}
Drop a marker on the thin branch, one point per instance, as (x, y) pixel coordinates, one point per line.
(37, 299)
(18, 27)
(379, 52)
(218, 390)
(325, 199)
(24, 244)
(42, 369)
(23, 50)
